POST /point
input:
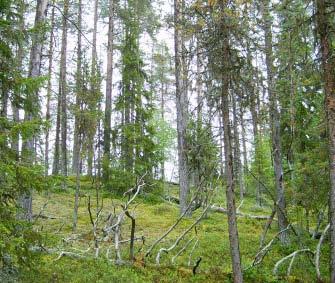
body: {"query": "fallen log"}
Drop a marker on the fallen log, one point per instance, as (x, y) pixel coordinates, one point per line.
(220, 209)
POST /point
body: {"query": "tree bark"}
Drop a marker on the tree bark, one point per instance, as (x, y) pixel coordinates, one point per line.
(230, 194)
(275, 124)
(237, 150)
(181, 105)
(15, 102)
(109, 87)
(78, 126)
(25, 200)
(325, 29)
(49, 89)
(56, 160)
(63, 91)
(93, 89)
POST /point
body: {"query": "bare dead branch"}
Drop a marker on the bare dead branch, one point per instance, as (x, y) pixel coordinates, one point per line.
(167, 250)
(292, 255)
(267, 227)
(148, 253)
(318, 252)
(191, 253)
(224, 210)
(181, 250)
(263, 252)
(94, 226)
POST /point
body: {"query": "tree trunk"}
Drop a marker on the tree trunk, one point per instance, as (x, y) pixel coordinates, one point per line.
(244, 141)
(237, 150)
(25, 200)
(109, 88)
(163, 94)
(56, 161)
(275, 125)
(228, 152)
(49, 90)
(93, 87)
(63, 91)
(230, 194)
(197, 172)
(15, 102)
(181, 105)
(324, 26)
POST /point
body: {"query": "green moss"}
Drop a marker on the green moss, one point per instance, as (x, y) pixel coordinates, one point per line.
(152, 219)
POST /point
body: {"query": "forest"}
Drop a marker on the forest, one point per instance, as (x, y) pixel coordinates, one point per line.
(167, 141)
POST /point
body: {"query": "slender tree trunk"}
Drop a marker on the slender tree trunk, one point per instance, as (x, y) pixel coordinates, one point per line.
(230, 194)
(163, 94)
(109, 88)
(199, 107)
(244, 141)
(275, 125)
(181, 105)
(63, 91)
(78, 123)
(237, 150)
(17, 94)
(31, 111)
(49, 89)
(228, 152)
(93, 87)
(56, 160)
(326, 34)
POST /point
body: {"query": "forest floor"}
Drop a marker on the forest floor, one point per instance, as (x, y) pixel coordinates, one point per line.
(153, 217)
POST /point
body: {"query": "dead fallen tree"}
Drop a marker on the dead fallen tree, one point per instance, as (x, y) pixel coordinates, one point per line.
(223, 210)
(114, 223)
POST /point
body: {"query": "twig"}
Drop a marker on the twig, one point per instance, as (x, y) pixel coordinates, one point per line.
(39, 215)
(267, 226)
(72, 22)
(181, 250)
(240, 205)
(191, 253)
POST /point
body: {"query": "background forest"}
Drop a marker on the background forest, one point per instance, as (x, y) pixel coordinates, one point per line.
(167, 141)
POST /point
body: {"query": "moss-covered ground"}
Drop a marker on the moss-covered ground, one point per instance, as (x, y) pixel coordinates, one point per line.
(153, 217)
